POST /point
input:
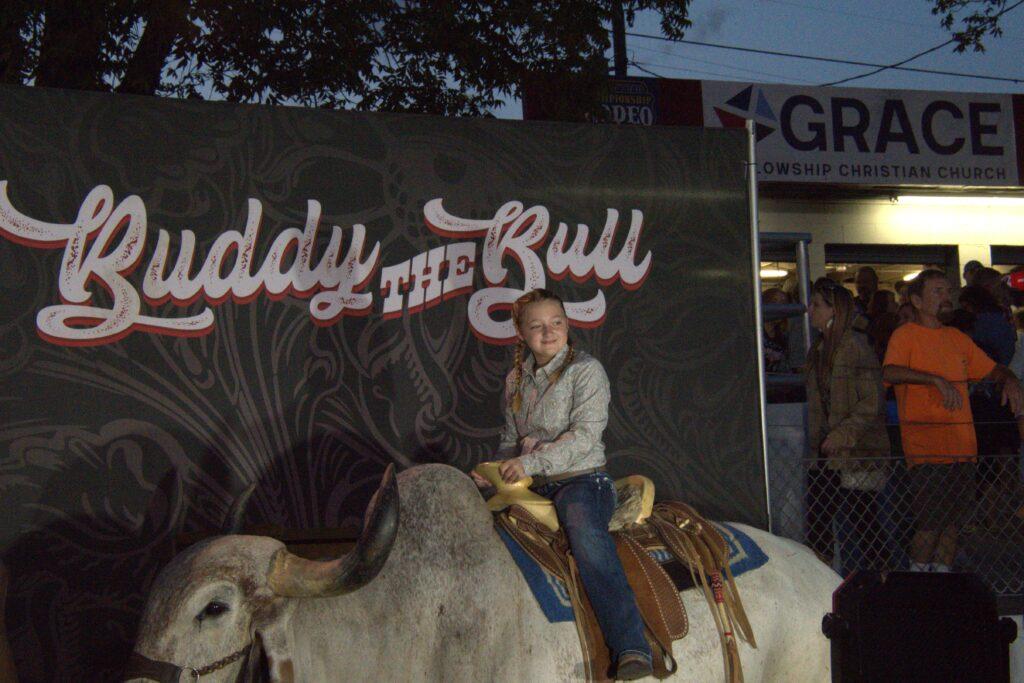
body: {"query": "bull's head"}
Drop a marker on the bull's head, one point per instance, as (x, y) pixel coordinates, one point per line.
(220, 609)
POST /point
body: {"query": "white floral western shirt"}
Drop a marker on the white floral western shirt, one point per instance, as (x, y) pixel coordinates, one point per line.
(558, 426)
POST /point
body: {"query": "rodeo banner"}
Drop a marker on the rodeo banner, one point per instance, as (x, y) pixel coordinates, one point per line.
(201, 297)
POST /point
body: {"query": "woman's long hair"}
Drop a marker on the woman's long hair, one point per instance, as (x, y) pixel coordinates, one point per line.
(518, 306)
(822, 356)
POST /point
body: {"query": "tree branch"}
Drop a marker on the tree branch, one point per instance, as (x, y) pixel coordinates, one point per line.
(164, 22)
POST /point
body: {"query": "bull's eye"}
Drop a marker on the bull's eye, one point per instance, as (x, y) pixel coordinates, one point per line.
(213, 609)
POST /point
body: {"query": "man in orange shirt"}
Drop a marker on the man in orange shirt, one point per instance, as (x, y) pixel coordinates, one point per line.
(931, 364)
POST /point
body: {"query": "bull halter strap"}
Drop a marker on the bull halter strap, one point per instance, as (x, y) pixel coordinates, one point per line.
(141, 666)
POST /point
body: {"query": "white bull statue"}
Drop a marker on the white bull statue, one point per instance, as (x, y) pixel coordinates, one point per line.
(435, 597)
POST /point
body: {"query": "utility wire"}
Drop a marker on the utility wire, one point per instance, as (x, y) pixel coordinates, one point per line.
(722, 64)
(817, 58)
(919, 54)
(646, 71)
(640, 66)
(889, 66)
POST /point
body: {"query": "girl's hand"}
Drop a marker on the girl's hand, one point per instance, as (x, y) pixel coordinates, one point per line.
(511, 470)
(829, 448)
(481, 482)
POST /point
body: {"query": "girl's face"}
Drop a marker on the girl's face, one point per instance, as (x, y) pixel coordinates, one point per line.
(820, 313)
(544, 328)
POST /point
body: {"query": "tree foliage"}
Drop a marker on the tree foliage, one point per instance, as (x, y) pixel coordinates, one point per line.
(971, 21)
(394, 55)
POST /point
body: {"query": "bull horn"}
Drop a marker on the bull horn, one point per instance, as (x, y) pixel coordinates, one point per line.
(294, 577)
(236, 513)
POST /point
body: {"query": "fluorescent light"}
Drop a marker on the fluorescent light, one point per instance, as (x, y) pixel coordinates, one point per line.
(958, 200)
(910, 276)
(773, 273)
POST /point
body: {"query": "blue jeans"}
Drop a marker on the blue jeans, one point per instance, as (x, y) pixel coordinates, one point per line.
(866, 531)
(585, 505)
(893, 520)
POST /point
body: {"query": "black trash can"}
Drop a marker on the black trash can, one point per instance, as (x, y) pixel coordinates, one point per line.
(913, 626)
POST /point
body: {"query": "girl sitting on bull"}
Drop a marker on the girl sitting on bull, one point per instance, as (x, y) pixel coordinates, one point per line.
(556, 409)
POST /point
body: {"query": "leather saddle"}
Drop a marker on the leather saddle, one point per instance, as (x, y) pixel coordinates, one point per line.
(635, 498)
(639, 527)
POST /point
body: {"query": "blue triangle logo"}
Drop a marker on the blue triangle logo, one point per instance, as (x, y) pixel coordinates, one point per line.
(741, 100)
(763, 108)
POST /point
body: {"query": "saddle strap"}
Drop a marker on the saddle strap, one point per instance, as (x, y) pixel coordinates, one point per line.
(660, 605)
(550, 549)
(713, 552)
(699, 545)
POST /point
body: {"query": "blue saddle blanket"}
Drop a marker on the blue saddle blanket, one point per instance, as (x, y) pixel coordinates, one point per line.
(553, 598)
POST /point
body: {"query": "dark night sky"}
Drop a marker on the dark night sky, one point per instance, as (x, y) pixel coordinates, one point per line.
(880, 31)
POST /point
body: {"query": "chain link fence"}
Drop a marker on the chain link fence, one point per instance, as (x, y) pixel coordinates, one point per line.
(881, 514)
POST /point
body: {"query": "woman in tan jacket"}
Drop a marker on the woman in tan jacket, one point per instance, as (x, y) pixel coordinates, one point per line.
(846, 423)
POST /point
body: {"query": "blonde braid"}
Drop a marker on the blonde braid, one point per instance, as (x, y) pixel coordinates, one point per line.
(569, 358)
(517, 394)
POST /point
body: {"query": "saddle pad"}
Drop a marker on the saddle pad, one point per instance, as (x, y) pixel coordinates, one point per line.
(547, 588)
(744, 554)
(549, 591)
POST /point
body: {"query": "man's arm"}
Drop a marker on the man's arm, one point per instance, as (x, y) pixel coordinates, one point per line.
(900, 374)
(1012, 393)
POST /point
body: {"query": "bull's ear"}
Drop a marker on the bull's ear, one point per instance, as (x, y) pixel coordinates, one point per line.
(255, 668)
(275, 657)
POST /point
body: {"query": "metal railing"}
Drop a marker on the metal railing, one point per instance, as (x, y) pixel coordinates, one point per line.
(894, 513)
(878, 513)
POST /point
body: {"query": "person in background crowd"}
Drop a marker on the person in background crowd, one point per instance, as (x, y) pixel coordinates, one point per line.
(884, 301)
(884, 320)
(906, 313)
(991, 280)
(961, 319)
(892, 501)
(1017, 362)
(867, 284)
(901, 293)
(1017, 368)
(989, 329)
(930, 365)
(995, 425)
(970, 270)
(845, 422)
(776, 333)
(1013, 285)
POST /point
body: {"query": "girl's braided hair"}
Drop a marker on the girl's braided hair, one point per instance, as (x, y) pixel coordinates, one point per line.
(518, 306)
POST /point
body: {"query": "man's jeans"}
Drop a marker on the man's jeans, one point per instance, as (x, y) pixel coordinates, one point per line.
(585, 505)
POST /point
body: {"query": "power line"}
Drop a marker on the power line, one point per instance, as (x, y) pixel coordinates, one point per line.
(831, 60)
(705, 61)
(919, 54)
(889, 66)
(639, 65)
(646, 71)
